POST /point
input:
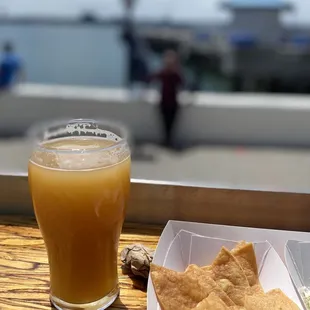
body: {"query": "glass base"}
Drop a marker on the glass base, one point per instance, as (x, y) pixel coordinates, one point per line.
(100, 304)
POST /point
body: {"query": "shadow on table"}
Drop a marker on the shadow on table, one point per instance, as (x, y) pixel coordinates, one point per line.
(52, 306)
(138, 283)
(18, 220)
(116, 305)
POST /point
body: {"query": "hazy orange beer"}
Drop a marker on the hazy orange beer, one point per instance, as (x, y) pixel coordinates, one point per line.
(79, 176)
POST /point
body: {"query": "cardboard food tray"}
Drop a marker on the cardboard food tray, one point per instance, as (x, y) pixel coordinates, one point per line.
(197, 244)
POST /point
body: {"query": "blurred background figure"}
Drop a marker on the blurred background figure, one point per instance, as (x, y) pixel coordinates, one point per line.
(11, 68)
(171, 79)
(92, 58)
(137, 68)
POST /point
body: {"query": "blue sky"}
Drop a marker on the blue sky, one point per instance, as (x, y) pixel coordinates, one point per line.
(199, 10)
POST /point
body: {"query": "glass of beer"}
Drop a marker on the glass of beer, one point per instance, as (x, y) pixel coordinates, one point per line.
(79, 177)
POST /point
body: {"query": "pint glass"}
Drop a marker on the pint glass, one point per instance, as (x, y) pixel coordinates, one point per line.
(79, 177)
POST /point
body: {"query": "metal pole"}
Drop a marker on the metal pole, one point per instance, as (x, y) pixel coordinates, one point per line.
(127, 31)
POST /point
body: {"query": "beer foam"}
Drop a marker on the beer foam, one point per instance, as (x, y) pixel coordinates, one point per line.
(84, 161)
(77, 147)
(80, 153)
(81, 128)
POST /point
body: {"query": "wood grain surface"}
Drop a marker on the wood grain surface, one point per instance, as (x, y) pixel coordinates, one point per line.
(24, 273)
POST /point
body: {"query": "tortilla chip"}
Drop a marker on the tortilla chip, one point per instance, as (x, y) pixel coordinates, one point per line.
(195, 268)
(225, 284)
(277, 293)
(205, 279)
(173, 290)
(227, 272)
(212, 302)
(236, 293)
(225, 266)
(245, 255)
(254, 290)
(274, 299)
(182, 290)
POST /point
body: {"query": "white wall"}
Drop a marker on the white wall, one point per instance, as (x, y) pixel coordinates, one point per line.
(211, 118)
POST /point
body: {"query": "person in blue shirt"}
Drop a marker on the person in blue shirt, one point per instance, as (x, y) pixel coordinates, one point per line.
(10, 67)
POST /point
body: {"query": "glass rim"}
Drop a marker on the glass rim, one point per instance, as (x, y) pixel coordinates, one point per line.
(123, 135)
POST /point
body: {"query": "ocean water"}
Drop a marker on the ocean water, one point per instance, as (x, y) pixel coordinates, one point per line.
(82, 54)
(72, 55)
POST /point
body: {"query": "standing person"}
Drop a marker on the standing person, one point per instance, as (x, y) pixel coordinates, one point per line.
(171, 80)
(137, 71)
(137, 68)
(11, 70)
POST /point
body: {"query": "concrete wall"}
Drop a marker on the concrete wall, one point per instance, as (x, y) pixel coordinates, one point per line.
(209, 118)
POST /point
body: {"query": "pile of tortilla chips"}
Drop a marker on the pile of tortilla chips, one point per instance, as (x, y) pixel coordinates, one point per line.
(230, 282)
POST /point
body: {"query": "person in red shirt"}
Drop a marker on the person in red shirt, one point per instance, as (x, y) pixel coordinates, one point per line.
(171, 80)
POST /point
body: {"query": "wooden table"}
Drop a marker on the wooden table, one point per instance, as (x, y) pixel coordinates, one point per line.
(23, 261)
(24, 272)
